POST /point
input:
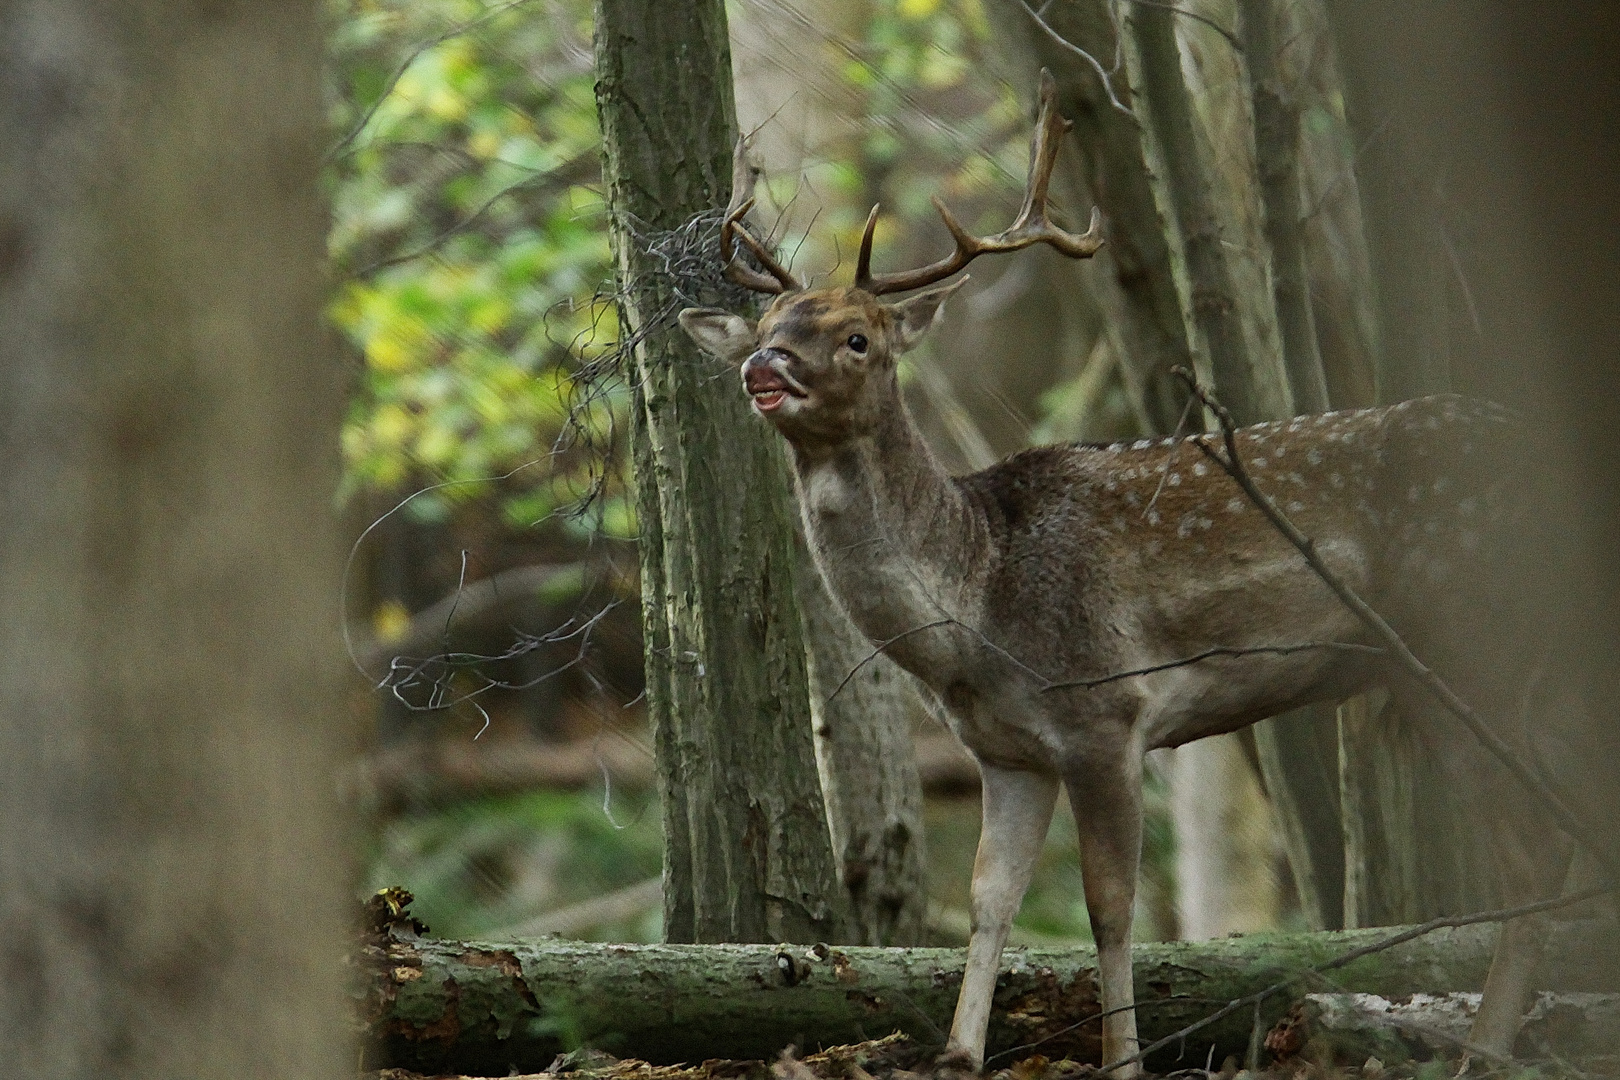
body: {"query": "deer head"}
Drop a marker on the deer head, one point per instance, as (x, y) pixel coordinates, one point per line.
(820, 363)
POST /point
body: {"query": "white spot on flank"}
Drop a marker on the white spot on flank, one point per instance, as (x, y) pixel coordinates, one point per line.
(1153, 517)
(1296, 423)
(1294, 477)
(1110, 484)
(1205, 523)
(1199, 468)
(1133, 498)
(1167, 441)
(1141, 444)
(1234, 505)
(1184, 527)
(1322, 419)
(1295, 506)
(1258, 463)
(1314, 456)
(1174, 479)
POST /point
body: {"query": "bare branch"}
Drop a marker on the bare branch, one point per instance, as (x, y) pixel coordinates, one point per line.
(873, 655)
(1231, 38)
(1096, 65)
(1218, 650)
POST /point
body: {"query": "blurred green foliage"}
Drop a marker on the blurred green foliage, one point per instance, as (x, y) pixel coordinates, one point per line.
(486, 864)
(469, 244)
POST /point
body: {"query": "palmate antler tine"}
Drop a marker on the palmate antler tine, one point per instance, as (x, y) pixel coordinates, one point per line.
(1032, 226)
(740, 273)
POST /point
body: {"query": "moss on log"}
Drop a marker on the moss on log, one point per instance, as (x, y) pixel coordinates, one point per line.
(446, 1006)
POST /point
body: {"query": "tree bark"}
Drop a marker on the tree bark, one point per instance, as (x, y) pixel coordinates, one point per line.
(438, 1006)
(1144, 314)
(172, 861)
(747, 856)
(1276, 152)
(1434, 858)
(863, 707)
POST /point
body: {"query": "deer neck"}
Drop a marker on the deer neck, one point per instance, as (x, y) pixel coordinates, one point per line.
(892, 534)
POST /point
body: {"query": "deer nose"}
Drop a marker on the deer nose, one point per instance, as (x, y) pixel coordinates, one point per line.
(763, 358)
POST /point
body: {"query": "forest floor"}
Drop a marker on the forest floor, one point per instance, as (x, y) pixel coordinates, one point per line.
(897, 1057)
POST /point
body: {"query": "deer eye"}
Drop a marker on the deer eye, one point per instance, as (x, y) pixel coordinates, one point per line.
(857, 342)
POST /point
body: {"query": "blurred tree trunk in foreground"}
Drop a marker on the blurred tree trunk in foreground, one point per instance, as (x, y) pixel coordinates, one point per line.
(172, 870)
(746, 849)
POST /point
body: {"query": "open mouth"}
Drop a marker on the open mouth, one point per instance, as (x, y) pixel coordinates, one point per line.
(769, 388)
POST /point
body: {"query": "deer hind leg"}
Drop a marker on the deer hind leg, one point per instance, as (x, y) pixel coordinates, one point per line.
(1508, 986)
(1107, 801)
(1017, 811)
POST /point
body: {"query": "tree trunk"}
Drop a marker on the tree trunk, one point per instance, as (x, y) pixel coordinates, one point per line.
(1235, 328)
(172, 863)
(1145, 323)
(863, 707)
(747, 856)
(1276, 152)
(1438, 856)
(444, 1006)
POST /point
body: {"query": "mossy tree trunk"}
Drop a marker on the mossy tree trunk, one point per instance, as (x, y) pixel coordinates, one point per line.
(747, 854)
(172, 870)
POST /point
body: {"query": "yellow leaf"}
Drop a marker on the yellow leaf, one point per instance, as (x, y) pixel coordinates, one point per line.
(386, 352)
(484, 143)
(390, 621)
(918, 9)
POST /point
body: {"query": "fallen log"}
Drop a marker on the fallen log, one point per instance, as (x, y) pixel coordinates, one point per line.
(482, 1008)
(1337, 1029)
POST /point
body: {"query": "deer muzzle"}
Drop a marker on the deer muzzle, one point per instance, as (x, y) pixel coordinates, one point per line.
(765, 377)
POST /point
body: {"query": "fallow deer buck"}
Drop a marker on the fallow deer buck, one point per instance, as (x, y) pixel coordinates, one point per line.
(1026, 595)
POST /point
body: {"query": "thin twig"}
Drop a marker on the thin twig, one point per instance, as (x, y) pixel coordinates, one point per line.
(1132, 1007)
(399, 72)
(1175, 452)
(459, 227)
(1234, 467)
(877, 651)
(1218, 650)
(1231, 38)
(1345, 959)
(1096, 65)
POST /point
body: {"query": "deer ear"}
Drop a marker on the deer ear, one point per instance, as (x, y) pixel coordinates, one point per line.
(918, 314)
(720, 333)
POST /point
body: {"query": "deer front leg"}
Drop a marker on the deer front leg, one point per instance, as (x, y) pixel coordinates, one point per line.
(1017, 810)
(1107, 800)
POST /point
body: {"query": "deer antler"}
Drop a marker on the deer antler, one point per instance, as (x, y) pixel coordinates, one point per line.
(742, 200)
(1031, 226)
